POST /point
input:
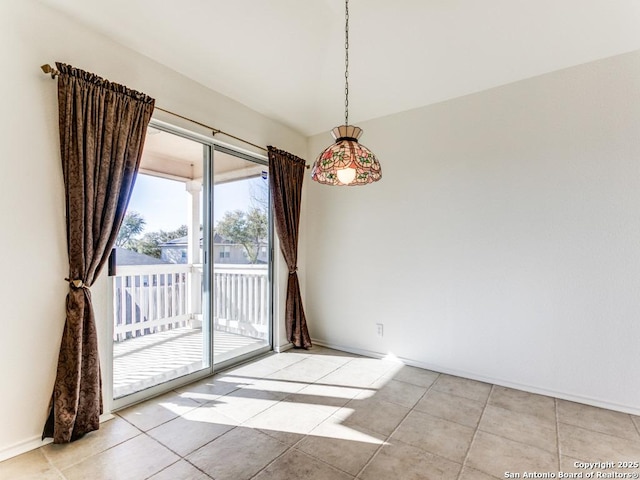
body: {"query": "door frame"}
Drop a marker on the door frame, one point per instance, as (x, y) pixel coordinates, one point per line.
(211, 145)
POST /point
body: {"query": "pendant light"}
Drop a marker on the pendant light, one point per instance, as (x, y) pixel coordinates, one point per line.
(346, 162)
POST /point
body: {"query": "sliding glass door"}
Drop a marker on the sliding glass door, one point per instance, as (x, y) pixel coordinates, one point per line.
(191, 266)
(160, 306)
(241, 285)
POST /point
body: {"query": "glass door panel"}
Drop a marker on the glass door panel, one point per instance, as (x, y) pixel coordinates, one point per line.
(161, 331)
(241, 257)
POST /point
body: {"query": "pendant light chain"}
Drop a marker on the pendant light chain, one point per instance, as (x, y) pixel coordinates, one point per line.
(346, 161)
(346, 64)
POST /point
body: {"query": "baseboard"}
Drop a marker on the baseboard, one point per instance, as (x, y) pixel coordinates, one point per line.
(105, 417)
(23, 447)
(357, 351)
(595, 402)
(35, 442)
(283, 348)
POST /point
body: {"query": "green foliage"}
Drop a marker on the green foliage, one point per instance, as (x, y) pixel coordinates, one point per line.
(249, 229)
(132, 225)
(150, 242)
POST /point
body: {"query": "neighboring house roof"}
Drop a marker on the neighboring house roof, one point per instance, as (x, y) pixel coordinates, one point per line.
(218, 239)
(129, 257)
(176, 242)
(182, 241)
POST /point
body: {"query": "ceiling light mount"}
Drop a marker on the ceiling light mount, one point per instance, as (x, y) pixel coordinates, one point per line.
(346, 162)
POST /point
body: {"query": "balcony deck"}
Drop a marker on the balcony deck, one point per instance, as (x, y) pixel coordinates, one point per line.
(142, 362)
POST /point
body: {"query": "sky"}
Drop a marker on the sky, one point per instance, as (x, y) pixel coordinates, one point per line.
(163, 203)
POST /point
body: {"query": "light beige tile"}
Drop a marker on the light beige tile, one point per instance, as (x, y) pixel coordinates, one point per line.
(520, 427)
(111, 433)
(308, 370)
(341, 415)
(237, 455)
(343, 447)
(524, 402)
(469, 473)
(265, 366)
(416, 376)
(333, 391)
(210, 388)
(376, 415)
(350, 376)
(361, 372)
(325, 403)
(496, 455)
(289, 421)
(277, 361)
(245, 403)
(185, 434)
(134, 459)
(463, 387)
(251, 371)
(435, 435)
(380, 382)
(296, 465)
(402, 393)
(180, 471)
(157, 411)
(598, 419)
(287, 438)
(299, 353)
(279, 388)
(209, 413)
(29, 466)
(343, 357)
(451, 407)
(591, 446)
(636, 421)
(401, 461)
(379, 366)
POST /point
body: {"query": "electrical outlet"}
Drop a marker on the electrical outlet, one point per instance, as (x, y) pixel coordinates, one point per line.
(380, 329)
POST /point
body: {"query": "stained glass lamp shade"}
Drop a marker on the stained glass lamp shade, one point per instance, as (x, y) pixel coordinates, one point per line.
(346, 162)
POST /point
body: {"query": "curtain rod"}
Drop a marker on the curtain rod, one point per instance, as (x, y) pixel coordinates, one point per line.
(48, 69)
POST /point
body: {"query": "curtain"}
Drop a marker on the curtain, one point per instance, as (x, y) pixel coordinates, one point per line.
(102, 132)
(287, 173)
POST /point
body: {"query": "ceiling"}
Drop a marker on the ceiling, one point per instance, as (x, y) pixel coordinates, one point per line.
(172, 156)
(285, 58)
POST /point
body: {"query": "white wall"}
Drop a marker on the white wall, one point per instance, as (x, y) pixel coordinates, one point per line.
(33, 244)
(503, 242)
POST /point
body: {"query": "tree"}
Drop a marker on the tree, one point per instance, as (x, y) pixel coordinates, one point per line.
(259, 193)
(249, 229)
(150, 242)
(132, 225)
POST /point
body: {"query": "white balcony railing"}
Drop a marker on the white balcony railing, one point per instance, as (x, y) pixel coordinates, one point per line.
(241, 299)
(155, 298)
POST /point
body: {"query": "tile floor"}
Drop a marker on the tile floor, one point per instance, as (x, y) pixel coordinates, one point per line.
(327, 415)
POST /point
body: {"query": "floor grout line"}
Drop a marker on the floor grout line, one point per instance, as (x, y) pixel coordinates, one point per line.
(73, 464)
(635, 424)
(197, 467)
(375, 454)
(163, 469)
(53, 465)
(558, 447)
(475, 433)
(291, 447)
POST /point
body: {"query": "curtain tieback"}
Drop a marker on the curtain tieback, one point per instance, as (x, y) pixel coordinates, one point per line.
(291, 272)
(76, 283)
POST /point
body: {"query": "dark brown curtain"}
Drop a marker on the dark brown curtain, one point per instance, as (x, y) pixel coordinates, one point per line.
(287, 174)
(102, 132)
